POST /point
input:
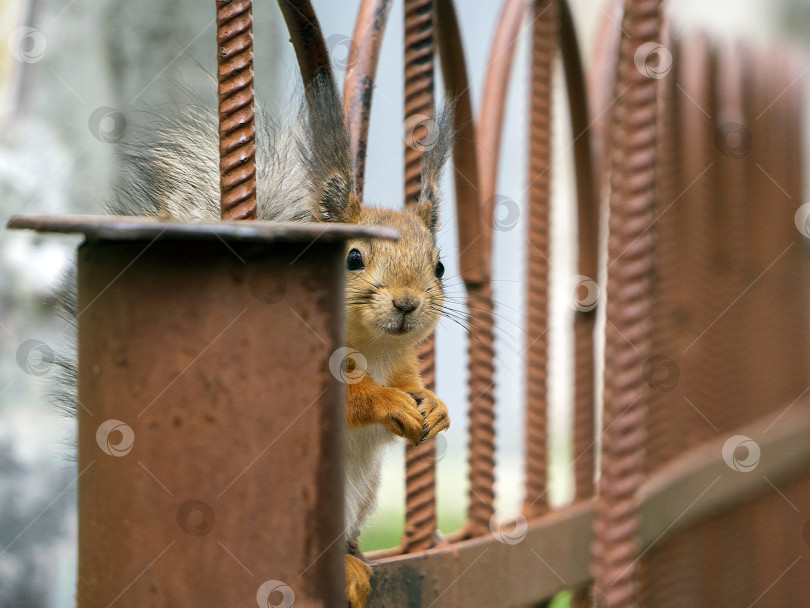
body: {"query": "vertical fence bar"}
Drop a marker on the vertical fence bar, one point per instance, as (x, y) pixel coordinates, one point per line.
(237, 141)
(734, 175)
(475, 242)
(628, 310)
(781, 175)
(419, 89)
(479, 291)
(545, 29)
(791, 125)
(420, 461)
(691, 422)
(584, 417)
(666, 402)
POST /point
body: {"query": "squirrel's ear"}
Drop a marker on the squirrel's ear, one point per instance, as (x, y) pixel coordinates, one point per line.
(336, 202)
(433, 160)
(325, 152)
(428, 212)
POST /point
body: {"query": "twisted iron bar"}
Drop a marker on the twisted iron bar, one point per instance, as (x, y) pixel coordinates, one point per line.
(475, 236)
(419, 101)
(544, 46)
(482, 410)
(237, 146)
(420, 461)
(630, 247)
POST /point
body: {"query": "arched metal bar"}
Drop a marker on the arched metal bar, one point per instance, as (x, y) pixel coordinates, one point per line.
(493, 107)
(477, 271)
(307, 38)
(474, 258)
(474, 261)
(359, 84)
(584, 418)
(601, 83)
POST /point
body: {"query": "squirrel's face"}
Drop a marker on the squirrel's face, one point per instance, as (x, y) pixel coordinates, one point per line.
(394, 289)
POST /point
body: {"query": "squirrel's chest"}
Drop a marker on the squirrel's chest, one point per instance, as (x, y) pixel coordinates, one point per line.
(380, 369)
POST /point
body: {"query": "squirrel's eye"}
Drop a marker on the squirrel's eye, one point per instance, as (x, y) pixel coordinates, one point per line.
(355, 260)
(439, 270)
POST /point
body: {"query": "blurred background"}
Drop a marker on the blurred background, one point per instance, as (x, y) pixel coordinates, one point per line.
(76, 75)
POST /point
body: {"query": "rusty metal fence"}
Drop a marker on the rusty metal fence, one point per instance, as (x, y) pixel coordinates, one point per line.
(688, 161)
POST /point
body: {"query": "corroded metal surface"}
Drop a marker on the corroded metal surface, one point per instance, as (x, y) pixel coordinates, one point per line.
(188, 467)
(237, 130)
(489, 572)
(474, 261)
(419, 102)
(665, 411)
(493, 105)
(482, 410)
(544, 46)
(630, 247)
(420, 473)
(99, 227)
(307, 38)
(476, 270)
(473, 226)
(584, 415)
(359, 84)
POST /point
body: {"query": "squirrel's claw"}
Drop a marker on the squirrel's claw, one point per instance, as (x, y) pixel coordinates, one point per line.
(434, 411)
(403, 417)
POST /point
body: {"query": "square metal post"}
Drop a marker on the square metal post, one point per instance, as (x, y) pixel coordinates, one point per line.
(211, 429)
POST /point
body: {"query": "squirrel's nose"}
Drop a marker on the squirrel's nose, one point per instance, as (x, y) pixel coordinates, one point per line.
(406, 303)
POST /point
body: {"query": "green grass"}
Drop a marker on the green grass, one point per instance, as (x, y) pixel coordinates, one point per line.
(386, 528)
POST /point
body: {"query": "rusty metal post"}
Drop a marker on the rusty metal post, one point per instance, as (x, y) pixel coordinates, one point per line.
(544, 46)
(420, 461)
(237, 129)
(211, 433)
(630, 250)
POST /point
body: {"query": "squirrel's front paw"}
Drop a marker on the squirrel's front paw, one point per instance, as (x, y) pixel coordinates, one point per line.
(403, 418)
(434, 412)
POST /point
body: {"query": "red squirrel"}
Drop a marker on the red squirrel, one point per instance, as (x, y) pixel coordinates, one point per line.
(394, 295)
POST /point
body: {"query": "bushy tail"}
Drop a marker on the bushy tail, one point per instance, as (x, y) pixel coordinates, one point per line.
(171, 167)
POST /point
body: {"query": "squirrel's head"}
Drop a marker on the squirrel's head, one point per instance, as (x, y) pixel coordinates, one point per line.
(394, 292)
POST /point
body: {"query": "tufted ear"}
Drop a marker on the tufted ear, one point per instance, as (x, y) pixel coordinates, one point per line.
(323, 145)
(433, 160)
(336, 202)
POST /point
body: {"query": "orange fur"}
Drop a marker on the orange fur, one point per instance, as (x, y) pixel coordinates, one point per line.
(405, 407)
(358, 586)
